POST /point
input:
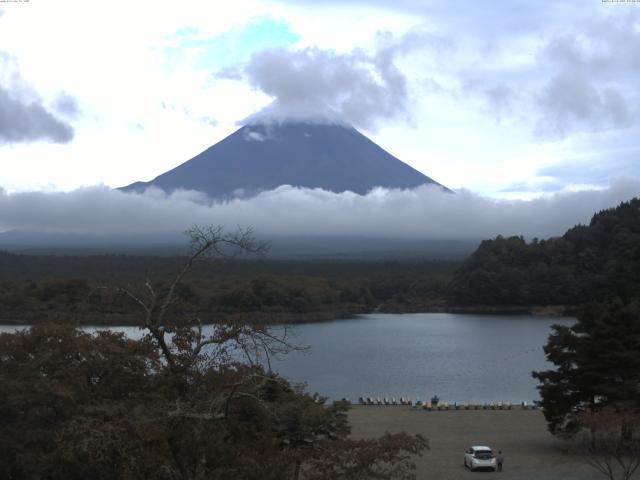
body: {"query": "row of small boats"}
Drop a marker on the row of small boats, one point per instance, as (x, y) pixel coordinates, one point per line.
(429, 405)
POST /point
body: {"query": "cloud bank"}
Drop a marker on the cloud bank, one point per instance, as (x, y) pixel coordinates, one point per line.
(421, 213)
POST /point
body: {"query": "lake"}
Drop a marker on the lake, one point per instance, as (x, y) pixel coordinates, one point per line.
(459, 357)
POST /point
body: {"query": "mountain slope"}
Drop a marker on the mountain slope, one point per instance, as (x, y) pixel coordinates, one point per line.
(262, 157)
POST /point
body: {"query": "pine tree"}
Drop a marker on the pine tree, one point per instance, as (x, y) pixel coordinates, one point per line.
(597, 365)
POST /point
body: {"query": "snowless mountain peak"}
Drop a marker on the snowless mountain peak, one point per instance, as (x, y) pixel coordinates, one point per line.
(265, 154)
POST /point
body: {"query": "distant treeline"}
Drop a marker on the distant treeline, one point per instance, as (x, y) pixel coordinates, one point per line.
(33, 288)
(587, 263)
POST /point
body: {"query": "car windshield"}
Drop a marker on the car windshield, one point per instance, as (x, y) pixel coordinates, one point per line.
(483, 455)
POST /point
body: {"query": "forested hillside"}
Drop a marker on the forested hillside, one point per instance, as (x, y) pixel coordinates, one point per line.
(589, 262)
(33, 288)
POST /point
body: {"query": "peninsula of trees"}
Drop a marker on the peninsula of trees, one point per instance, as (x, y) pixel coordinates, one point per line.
(589, 262)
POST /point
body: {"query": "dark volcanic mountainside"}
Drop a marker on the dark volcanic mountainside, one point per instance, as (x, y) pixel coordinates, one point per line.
(262, 157)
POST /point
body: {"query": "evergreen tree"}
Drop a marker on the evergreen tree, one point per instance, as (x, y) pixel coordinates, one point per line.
(587, 263)
(597, 365)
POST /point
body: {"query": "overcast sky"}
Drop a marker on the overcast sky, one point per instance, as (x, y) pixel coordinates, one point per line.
(515, 99)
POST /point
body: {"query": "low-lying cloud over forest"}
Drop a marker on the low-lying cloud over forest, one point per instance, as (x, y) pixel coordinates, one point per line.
(422, 213)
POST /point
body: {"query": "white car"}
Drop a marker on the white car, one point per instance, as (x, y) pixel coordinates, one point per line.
(479, 457)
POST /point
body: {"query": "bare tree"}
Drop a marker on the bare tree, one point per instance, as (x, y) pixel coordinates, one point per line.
(183, 342)
(610, 442)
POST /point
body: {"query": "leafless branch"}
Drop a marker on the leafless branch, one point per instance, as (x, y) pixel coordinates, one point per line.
(208, 241)
(609, 443)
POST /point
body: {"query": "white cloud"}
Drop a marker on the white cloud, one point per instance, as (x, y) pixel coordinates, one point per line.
(425, 212)
(356, 87)
(250, 136)
(23, 117)
(360, 87)
(595, 76)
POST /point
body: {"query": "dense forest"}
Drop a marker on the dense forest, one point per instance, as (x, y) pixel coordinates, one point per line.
(589, 262)
(34, 288)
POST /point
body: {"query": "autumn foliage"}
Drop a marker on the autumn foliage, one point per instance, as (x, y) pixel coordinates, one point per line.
(182, 402)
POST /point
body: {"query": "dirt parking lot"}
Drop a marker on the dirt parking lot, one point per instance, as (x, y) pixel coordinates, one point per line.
(530, 451)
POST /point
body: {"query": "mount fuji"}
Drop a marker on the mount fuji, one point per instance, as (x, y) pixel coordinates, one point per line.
(262, 156)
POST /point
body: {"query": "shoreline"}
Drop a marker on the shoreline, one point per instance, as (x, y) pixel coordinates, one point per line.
(285, 318)
(534, 310)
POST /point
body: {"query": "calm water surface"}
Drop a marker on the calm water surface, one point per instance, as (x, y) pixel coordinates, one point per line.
(460, 357)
